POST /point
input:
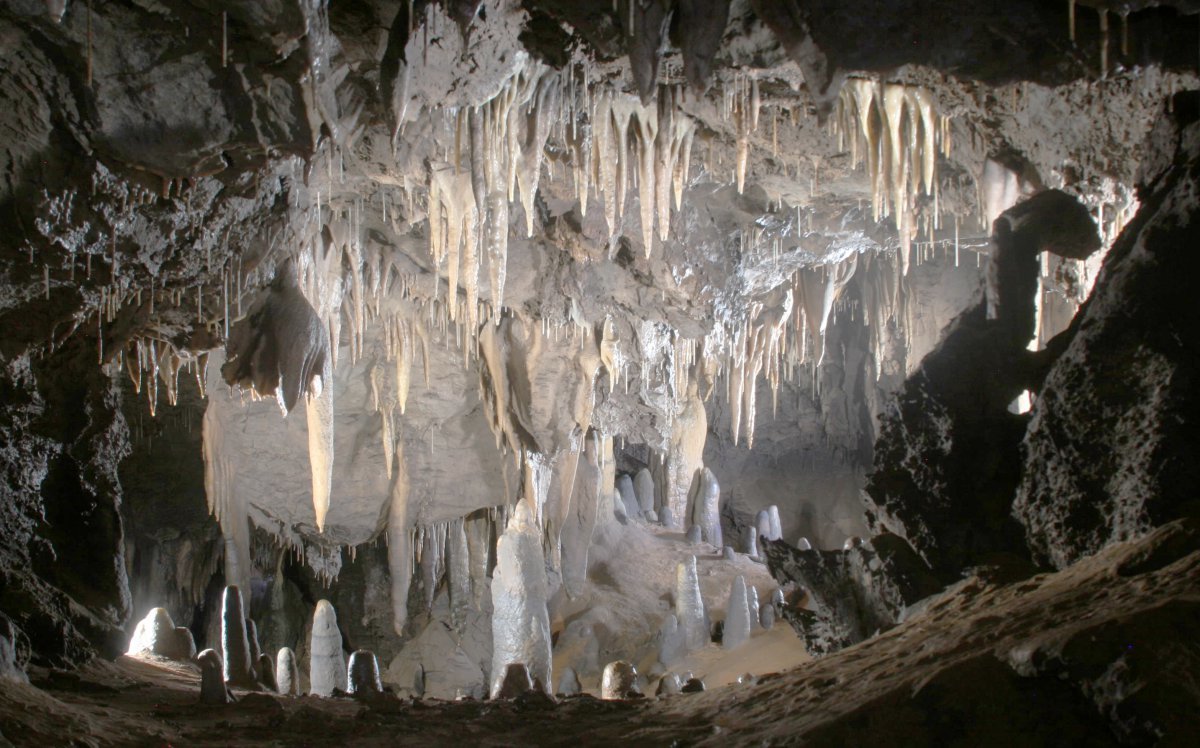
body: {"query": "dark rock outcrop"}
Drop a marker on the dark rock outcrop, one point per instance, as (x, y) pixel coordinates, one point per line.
(852, 593)
(1112, 444)
(947, 461)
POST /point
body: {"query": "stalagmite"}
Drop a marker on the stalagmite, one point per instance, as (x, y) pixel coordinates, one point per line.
(669, 685)
(694, 535)
(628, 494)
(737, 615)
(619, 681)
(520, 621)
(707, 508)
(287, 674)
(762, 524)
(766, 616)
(671, 645)
(266, 672)
(689, 606)
(239, 668)
(750, 541)
(752, 601)
(643, 488)
(327, 664)
(363, 677)
(775, 525)
(212, 684)
(255, 650)
(568, 683)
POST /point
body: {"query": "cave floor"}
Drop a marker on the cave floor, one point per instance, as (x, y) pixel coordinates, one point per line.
(994, 660)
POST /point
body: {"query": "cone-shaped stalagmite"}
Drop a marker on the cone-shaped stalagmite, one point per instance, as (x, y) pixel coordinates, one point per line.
(287, 675)
(689, 606)
(737, 615)
(327, 666)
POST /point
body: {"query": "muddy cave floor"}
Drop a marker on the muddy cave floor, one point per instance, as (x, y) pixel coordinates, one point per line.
(1101, 651)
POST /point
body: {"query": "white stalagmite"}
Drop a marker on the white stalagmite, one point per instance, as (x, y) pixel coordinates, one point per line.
(399, 549)
(689, 606)
(776, 524)
(327, 664)
(643, 489)
(737, 615)
(287, 674)
(520, 621)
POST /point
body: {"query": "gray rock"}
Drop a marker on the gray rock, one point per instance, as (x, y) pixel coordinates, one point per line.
(693, 535)
(266, 670)
(671, 645)
(803, 544)
(692, 685)
(628, 496)
(750, 542)
(728, 553)
(12, 663)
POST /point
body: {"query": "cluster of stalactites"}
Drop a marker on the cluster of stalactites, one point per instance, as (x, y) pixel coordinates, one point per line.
(897, 130)
(615, 144)
(151, 362)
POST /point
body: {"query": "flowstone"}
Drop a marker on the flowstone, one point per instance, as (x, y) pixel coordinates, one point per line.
(520, 621)
(327, 666)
